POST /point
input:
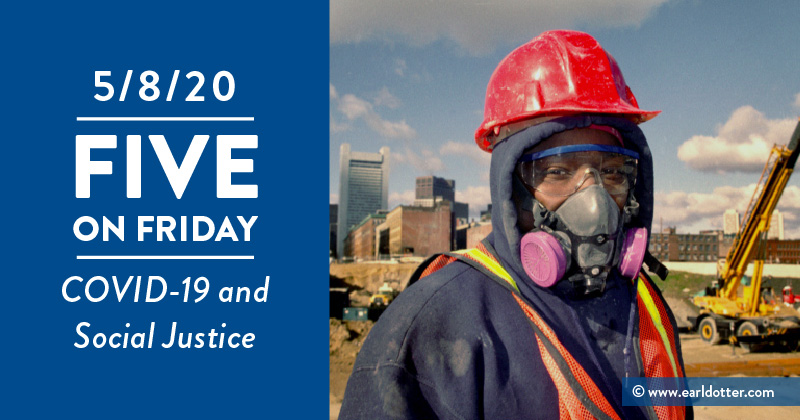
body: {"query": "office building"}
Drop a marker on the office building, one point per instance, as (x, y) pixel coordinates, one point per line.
(707, 246)
(486, 215)
(461, 213)
(783, 251)
(416, 231)
(730, 222)
(476, 232)
(363, 188)
(430, 190)
(430, 187)
(361, 241)
(776, 226)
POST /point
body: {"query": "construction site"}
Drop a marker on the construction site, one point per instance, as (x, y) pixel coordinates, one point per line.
(362, 281)
(737, 315)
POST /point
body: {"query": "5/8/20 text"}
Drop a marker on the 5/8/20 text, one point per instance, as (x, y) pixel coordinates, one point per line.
(149, 90)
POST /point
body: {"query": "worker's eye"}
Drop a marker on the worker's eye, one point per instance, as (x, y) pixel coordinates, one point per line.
(614, 175)
(554, 173)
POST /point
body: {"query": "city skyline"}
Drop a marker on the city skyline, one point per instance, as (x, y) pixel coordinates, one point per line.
(721, 74)
(732, 226)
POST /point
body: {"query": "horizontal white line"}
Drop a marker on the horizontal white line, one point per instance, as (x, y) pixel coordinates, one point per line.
(165, 257)
(166, 118)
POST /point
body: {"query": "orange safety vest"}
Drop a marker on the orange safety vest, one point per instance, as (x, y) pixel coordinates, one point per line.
(578, 395)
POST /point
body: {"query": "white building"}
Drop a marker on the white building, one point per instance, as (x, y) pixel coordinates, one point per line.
(730, 222)
(776, 226)
(363, 188)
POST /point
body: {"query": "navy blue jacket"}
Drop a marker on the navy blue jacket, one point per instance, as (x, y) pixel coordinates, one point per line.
(456, 345)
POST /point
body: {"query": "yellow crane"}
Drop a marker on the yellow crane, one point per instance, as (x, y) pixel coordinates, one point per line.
(724, 314)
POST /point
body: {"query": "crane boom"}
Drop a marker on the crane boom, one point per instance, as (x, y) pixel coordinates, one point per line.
(755, 224)
(746, 319)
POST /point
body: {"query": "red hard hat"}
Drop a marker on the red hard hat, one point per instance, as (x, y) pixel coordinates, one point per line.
(557, 73)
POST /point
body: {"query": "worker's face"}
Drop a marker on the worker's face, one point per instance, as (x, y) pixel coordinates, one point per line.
(567, 138)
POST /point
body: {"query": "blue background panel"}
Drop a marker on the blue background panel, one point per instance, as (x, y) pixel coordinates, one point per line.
(278, 56)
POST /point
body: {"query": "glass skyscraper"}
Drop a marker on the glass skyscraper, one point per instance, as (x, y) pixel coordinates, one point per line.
(363, 188)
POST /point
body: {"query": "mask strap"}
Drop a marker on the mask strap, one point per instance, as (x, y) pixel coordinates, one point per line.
(630, 210)
(655, 266)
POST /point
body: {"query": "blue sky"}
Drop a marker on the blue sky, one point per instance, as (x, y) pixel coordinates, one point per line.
(411, 75)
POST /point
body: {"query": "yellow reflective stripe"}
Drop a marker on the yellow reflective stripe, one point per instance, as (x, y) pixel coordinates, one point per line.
(656, 317)
(490, 264)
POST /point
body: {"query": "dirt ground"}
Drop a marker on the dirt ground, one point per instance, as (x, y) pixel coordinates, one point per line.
(346, 339)
(362, 280)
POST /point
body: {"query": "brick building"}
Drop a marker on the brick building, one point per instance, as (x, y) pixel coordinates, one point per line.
(417, 231)
(476, 232)
(783, 252)
(714, 245)
(361, 240)
(704, 246)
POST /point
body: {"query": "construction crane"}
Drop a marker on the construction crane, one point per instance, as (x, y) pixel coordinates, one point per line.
(746, 319)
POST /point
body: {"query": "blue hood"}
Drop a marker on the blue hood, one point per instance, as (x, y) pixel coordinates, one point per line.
(505, 235)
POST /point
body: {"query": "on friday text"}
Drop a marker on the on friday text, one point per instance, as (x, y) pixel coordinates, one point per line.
(166, 228)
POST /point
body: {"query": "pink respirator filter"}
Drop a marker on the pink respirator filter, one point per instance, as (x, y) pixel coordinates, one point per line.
(633, 250)
(542, 258)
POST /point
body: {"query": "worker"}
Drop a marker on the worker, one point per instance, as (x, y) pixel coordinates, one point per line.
(551, 311)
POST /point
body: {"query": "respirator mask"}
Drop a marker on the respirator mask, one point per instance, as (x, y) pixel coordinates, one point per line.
(587, 235)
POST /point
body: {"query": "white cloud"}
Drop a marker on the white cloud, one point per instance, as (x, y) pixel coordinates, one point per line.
(337, 127)
(791, 233)
(467, 150)
(477, 26)
(681, 208)
(677, 208)
(790, 200)
(741, 144)
(797, 100)
(402, 198)
(467, 155)
(425, 162)
(400, 67)
(355, 108)
(384, 98)
(477, 198)
(390, 129)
